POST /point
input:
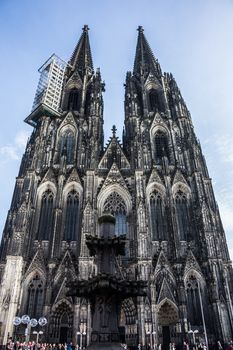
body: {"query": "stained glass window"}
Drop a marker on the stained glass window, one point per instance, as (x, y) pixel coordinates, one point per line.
(182, 215)
(156, 213)
(66, 145)
(35, 297)
(46, 216)
(115, 205)
(72, 217)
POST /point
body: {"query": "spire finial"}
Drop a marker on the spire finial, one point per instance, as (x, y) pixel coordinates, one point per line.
(145, 61)
(81, 57)
(114, 129)
(140, 29)
(85, 28)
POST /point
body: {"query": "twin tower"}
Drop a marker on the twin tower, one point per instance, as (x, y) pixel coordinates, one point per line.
(155, 183)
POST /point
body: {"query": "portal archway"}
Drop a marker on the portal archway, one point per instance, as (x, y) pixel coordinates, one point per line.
(168, 316)
(127, 323)
(61, 322)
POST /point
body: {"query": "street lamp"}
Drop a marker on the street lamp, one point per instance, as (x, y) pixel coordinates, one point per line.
(81, 337)
(193, 334)
(37, 335)
(25, 319)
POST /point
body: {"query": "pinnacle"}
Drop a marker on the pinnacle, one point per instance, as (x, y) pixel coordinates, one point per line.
(144, 57)
(114, 129)
(140, 29)
(85, 28)
(81, 57)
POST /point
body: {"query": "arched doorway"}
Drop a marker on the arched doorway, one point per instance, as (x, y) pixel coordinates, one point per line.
(128, 324)
(167, 317)
(61, 323)
(64, 326)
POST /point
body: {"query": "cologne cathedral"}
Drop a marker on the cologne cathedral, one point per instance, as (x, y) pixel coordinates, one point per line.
(156, 185)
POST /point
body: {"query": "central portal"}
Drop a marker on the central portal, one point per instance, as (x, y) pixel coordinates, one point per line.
(167, 317)
(166, 337)
(106, 290)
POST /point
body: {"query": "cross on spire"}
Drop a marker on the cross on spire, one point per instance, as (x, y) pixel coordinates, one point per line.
(114, 129)
(140, 29)
(85, 28)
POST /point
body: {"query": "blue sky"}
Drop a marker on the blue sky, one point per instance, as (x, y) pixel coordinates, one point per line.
(191, 38)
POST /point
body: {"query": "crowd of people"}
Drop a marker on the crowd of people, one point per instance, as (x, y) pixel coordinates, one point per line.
(17, 345)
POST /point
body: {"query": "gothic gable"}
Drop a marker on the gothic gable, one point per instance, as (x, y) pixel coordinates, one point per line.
(158, 123)
(152, 82)
(163, 266)
(37, 264)
(114, 177)
(74, 81)
(165, 292)
(155, 178)
(49, 176)
(68, 120)
(114, 154)
(191, 263)
(61, 293)
(74, 177)
(65, 264)
(179, 178)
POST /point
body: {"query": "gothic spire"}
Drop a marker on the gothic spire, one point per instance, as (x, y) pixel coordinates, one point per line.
(81, 57)
(145, 61)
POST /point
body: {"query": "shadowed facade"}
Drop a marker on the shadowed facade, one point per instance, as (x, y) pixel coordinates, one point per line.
(156, 185)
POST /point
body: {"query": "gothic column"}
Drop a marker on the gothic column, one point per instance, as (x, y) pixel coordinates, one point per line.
(141, 321)
(76, 319)
(10, 290)
(228, 298)
(154, 313)
(88, 323)
(182, 309)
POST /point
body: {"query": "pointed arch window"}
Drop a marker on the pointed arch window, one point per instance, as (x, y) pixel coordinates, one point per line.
(156, 214)
(193, 301)
(115, 205)
(161, 146)
(88, 102)
(182, 215)
(46, 216)
(35, 297)
(138, 100)
(154, 102)
(66, 145)
(61, 322)
(74, 100)
(72, 217)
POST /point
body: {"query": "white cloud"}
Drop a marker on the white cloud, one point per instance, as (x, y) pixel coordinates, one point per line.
(224, 145)
(21, 138)
(231, 253)
(13, 151)
(8, 153)
(226, 212)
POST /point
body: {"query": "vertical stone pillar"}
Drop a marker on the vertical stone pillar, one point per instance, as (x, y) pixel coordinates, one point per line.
(88, 323)
(141, 322)
(55, 243)
(182, 309)
(76, 320)
(154, 314)
(9, 294)
(228, 297)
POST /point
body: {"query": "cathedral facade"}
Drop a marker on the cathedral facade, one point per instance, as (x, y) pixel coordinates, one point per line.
(157, 186)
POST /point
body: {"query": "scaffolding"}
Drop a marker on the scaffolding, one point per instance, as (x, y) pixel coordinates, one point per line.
(50, 84)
